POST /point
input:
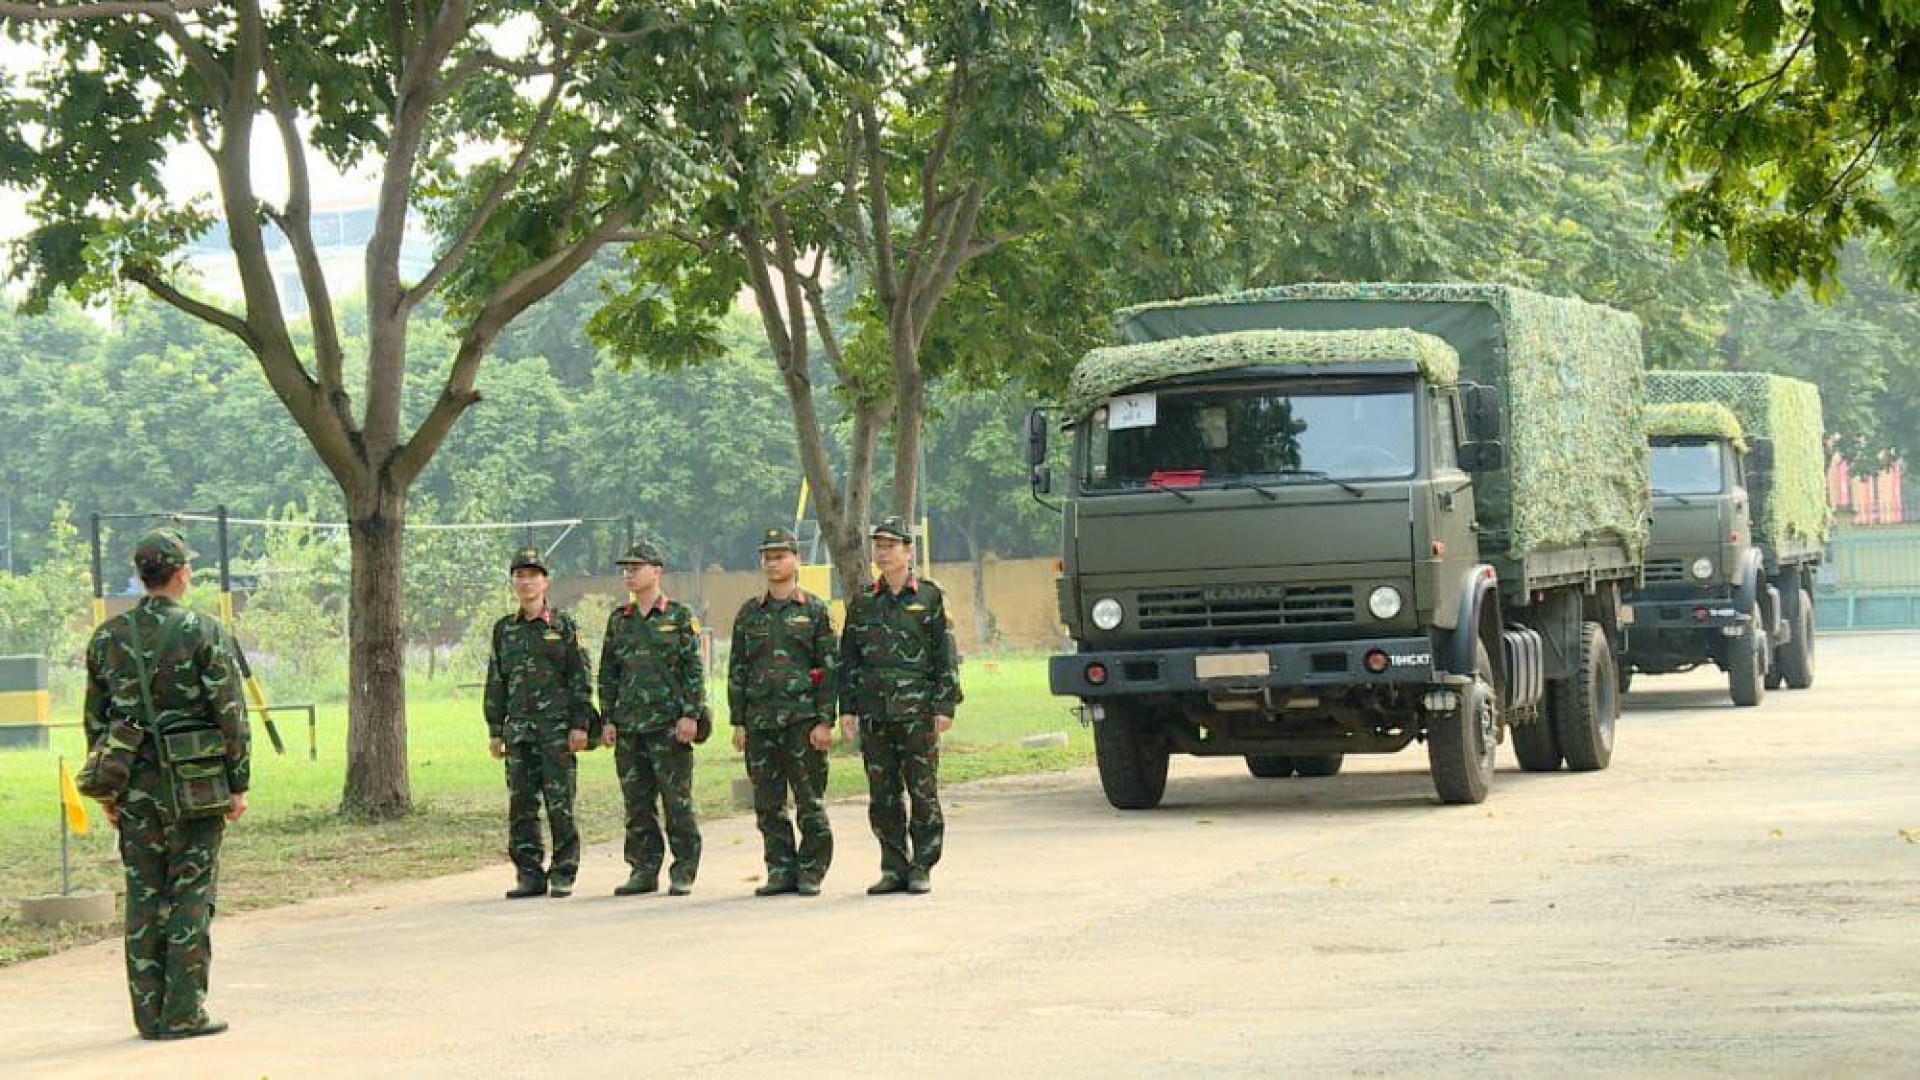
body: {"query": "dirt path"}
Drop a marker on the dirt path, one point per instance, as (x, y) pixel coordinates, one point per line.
(1734, 897)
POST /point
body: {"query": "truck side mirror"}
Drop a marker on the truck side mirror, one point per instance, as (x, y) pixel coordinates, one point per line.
(1485, 455)
(1482, 405)
(1036, 437)
(1040, 479)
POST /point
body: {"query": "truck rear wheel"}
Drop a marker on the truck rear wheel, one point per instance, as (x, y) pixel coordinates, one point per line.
(1747, 667)
(1460, 744)
(1585, 707)
(1534, 746)
(1132, 758)
(1319, 765)
(1796, 658)
(1270, 766)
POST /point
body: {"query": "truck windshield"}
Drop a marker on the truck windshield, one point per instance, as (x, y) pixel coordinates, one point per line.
(1689, 467)
(1273, 435)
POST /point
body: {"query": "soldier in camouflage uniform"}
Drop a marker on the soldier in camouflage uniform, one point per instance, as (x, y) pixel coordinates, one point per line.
(652, 692)
(780, 693)
(899, 683)
(172, 865)
(539, 711)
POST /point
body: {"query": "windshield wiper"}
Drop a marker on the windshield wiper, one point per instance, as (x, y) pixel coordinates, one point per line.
(1322, 474)
(1674, 495)
(1268, 492)
(1183, 496)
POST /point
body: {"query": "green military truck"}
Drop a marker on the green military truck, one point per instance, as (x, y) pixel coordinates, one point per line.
(1740, 523)
(1320, 520)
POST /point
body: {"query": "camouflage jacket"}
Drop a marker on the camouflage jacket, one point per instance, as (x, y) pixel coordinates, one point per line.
(537, 678)
(650, 673)
(897, 657)
(195, 682)
(781, 667)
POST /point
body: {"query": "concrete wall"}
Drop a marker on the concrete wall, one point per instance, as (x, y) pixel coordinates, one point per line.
(1019, 599)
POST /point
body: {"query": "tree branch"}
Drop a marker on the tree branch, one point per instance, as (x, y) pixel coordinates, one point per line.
(575, 23)
(105, 10)
(296, 224)
(497, 194)
(886, 287)
(147, 277)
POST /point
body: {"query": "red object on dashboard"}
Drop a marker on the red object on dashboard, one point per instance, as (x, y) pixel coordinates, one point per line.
(1176, 478)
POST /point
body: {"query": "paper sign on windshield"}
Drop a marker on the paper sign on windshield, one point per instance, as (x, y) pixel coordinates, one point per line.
(1133, 411)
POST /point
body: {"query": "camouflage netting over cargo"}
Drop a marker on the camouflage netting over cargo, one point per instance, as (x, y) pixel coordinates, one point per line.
(1701, 418)
(1108, 371)
(1794, 508)
(1571, 373)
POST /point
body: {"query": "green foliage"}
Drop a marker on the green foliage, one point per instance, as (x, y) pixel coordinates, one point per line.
(1108, 371)
(1788, 120)
(1693, 418)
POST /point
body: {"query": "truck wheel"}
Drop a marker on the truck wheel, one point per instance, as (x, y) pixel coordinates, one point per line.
(1270, 766)
(1460, 744)
(1585, 707)
(1320, 765)
(1747, 667)
(1534, 746)
(1132, 759)
(1796, 659)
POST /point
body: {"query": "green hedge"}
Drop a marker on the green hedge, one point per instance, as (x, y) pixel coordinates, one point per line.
(1702, 418)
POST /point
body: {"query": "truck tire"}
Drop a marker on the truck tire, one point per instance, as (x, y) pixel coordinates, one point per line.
(1460, 744)
(1585, 707)
(1795, 660)
(1132, 759)
(1319, 764)
(1747, 667)
(1534, 746)
(1270, 766)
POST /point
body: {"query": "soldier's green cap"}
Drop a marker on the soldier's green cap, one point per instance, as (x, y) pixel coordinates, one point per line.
(644, 552)
(893, 527)
(164, 548)
(776, 538)
(528, 559)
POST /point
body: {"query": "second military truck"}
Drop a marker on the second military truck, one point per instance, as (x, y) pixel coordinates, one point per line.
(1740, 523)
(1320, 520)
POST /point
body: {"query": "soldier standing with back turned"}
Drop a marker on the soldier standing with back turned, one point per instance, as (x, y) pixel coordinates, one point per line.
(900, 683)
(780, 693)
(652, 693)
(167, 671)
(539, 711)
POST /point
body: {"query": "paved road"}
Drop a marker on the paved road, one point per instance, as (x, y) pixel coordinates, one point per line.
(1735, 897)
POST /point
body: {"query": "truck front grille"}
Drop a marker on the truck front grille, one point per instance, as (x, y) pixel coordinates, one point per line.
(1257, 607)
(1666, 571)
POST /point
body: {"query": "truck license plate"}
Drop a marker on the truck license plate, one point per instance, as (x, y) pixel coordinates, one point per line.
(1232, 665)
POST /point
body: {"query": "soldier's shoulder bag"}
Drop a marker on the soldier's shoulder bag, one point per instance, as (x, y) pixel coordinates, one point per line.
(108, 768)
(195, 762)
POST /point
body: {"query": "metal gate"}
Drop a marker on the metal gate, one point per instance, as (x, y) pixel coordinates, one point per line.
(1871, 580)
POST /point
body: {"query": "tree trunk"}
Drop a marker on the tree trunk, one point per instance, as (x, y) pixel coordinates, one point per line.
(982, 619)
(377, 784)
(910, 408)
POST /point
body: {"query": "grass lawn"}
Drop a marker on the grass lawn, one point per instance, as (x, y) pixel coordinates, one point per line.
(293, 845)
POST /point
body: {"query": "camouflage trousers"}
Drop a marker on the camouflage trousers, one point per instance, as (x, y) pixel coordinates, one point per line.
(780, 759)
(656, 780)
(542, 771)
(172, 877)
(902, 757)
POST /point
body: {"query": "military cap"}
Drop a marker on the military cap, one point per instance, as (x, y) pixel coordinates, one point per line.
(777, 538)
(164, 548)
(529, 558)
(893, 527)
(644, 551)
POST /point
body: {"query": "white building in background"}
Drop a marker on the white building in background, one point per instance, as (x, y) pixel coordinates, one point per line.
(340, 233)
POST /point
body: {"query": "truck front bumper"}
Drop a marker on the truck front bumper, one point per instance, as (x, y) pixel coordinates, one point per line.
(1325, 664)
(1706, 613)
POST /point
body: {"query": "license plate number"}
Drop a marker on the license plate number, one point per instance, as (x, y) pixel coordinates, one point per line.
(1232, 665)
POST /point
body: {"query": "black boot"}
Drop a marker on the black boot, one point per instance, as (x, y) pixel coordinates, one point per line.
(919, 881)
(529, 885)
(776, 884)
(889, 882)
(638, 883)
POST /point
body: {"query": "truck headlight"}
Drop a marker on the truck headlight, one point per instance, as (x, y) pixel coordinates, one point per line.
(1384, 602)
(1107, 613)
(1703, 568)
